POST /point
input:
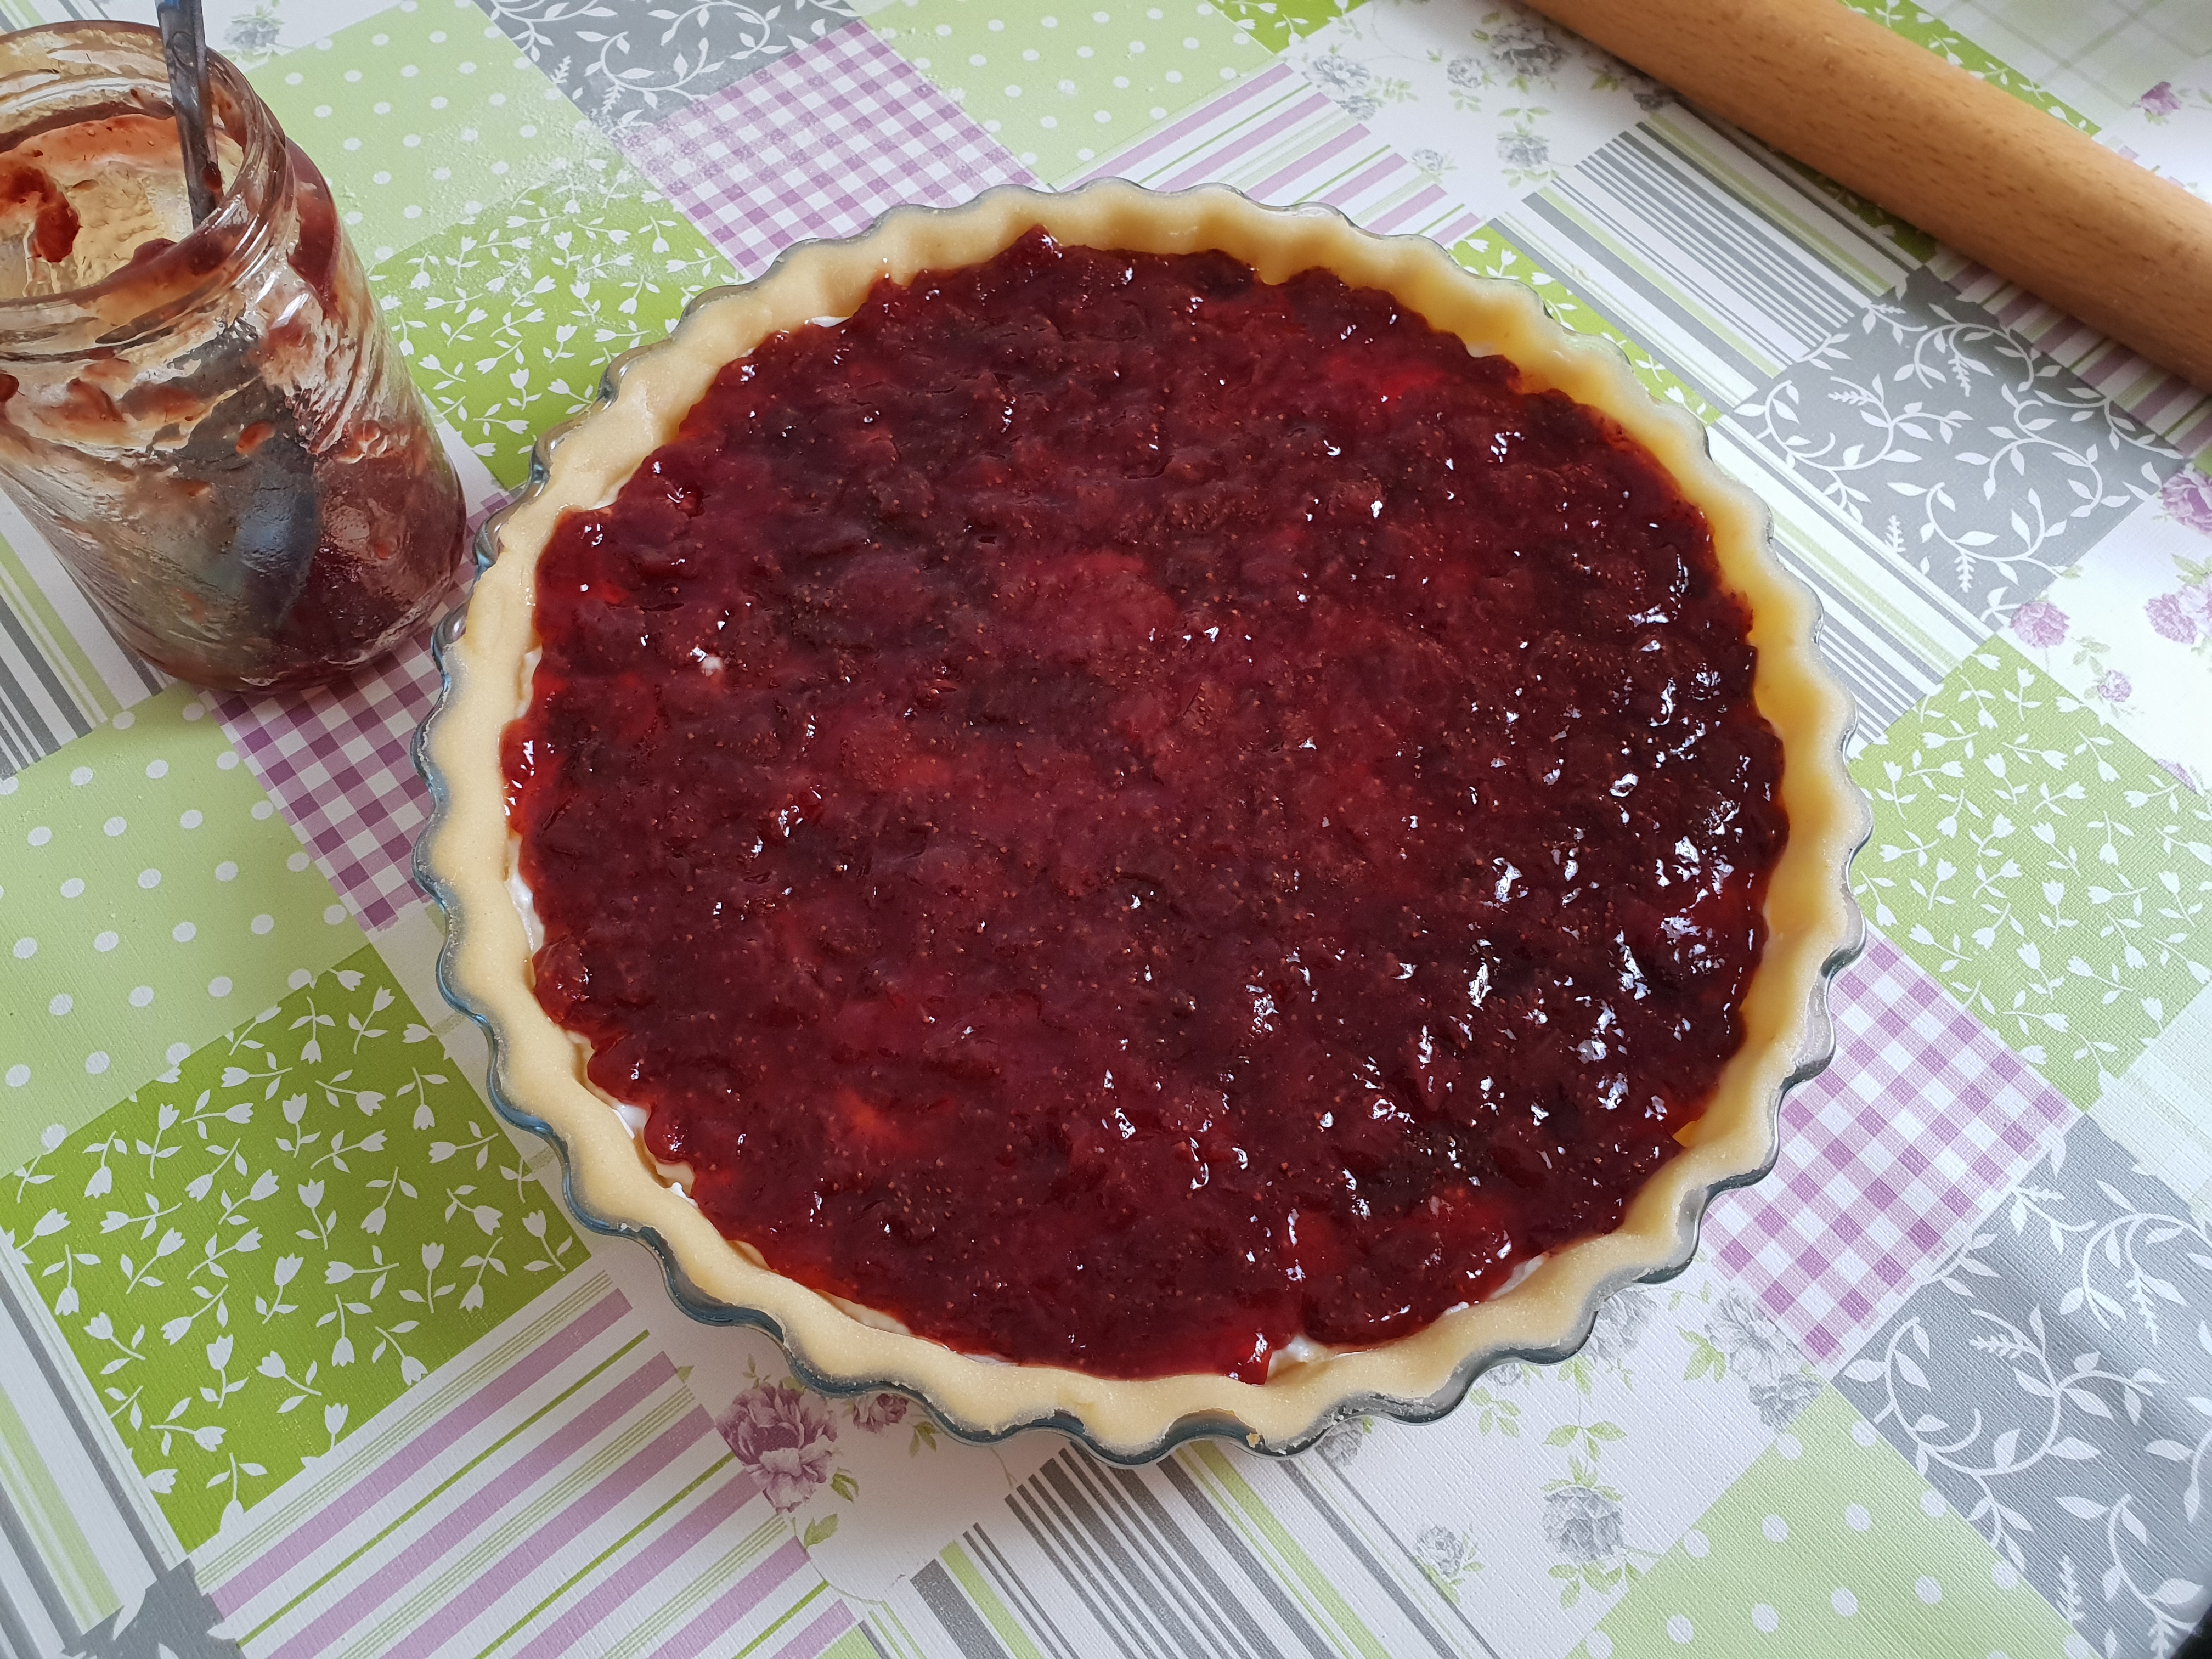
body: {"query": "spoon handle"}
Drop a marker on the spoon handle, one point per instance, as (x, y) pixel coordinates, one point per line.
(184, 46)
(2035, 200)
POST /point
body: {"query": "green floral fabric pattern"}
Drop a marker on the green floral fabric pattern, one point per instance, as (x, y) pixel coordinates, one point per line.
(1275, 23)
(1917, 24)
(2041, 866)
(254, 1255)
(507, 318)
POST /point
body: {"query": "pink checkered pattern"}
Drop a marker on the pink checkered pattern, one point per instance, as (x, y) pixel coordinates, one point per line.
(1887, 1158)
(817, 144)
(335, 760)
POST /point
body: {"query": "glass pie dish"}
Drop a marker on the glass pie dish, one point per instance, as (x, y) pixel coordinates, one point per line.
(467, 857)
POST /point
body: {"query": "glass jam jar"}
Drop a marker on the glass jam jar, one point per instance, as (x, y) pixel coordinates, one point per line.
(209, 423)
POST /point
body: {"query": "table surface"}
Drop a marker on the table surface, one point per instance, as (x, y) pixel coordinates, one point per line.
(301, 1354)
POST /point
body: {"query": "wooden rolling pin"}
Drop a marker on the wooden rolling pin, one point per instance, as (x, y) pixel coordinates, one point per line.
(2032, 198)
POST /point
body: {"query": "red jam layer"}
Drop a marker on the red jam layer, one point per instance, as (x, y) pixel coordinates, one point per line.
(1118, 813)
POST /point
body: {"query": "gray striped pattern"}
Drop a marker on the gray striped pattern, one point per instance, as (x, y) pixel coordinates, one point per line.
(1713, 252)
(38, 714)
(61, 673)
(1090, 1560)
(143, 1596)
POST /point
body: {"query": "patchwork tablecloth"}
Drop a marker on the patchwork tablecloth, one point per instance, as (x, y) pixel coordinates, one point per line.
(300, 1354)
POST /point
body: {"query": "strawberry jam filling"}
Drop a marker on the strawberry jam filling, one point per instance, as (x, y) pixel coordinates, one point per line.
(1121, 814)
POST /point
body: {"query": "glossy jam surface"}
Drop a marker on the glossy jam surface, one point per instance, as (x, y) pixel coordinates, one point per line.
(1120, 814)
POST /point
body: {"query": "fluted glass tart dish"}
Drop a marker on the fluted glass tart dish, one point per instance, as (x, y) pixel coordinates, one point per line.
(1141, 813)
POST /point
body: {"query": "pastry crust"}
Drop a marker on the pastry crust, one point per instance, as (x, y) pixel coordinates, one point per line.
(468, 854)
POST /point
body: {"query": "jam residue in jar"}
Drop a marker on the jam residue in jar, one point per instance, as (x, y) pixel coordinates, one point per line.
(1121, 814)
(208, 422)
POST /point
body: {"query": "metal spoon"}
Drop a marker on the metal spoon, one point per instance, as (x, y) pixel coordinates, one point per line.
(184, 48)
